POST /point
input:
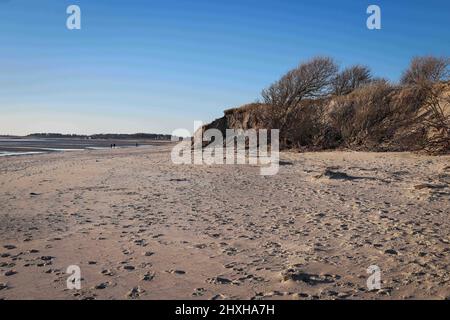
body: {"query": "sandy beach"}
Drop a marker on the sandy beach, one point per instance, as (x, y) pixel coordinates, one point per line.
(140, 227)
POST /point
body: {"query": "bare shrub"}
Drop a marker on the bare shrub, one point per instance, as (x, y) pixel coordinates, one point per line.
(311, 80)
(350, 79)
(427, 69)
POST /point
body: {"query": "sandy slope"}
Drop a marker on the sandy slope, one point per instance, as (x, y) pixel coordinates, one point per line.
(141, 227)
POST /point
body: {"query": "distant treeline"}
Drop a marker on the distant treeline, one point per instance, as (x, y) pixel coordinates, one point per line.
(105, 136)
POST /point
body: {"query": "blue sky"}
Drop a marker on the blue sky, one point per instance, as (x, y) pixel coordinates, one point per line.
(154, 66)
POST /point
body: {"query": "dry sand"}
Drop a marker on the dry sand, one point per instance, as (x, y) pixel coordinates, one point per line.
(140, 227)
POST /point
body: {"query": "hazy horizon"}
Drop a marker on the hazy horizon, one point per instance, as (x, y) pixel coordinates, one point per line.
(81, 134)
(135, 67)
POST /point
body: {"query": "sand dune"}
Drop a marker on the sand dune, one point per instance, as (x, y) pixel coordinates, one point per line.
(140, 227)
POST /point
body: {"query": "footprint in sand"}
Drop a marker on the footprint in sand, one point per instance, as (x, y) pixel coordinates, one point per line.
(107, 272)
(179, 272)
(149, 276)
(391, 251)
(129, 268)
(198, 292)
(297, 275)
(135, 292)
(102, 286)
(10, 273)
(219, 280)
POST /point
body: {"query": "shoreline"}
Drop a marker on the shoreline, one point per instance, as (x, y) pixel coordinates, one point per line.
(12, 147)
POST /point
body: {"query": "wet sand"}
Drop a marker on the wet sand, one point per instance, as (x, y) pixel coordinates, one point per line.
(140, 227)
(23, 146)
